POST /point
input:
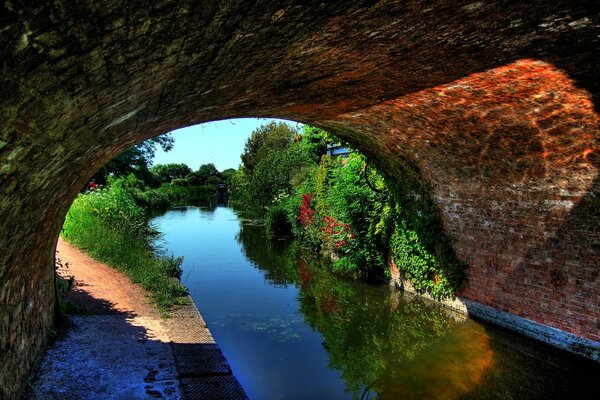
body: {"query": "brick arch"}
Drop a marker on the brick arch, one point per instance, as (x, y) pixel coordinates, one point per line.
(495, 103)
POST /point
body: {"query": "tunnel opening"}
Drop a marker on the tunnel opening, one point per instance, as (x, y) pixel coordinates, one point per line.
(484, 359)
(297, 175)
(506, 162)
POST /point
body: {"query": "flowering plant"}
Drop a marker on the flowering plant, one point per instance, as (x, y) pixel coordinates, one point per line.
(337, 232)
(306, 212)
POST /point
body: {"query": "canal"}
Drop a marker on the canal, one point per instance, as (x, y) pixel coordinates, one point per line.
(292, 330)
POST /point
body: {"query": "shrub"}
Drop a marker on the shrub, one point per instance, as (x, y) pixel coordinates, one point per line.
(277, 222)
(361, 225)
(112, 228)
(171, 266)
(114, 207)
(348, 211)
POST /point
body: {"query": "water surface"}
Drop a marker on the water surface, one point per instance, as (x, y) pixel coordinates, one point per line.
(292, 330)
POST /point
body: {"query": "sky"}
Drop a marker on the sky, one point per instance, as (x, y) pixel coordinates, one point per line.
(218, 142)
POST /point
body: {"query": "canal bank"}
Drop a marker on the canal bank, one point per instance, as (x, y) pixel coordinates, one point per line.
(560, 339)
(291, 329)
(118, 346)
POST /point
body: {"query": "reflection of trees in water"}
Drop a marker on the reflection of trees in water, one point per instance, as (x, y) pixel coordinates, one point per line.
(276, 258)
(208, 202)
(380, 340)
(369, 334)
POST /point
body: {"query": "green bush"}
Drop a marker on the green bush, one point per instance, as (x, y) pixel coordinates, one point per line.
(347, 211)
(276, 160)
(419, 243)
(169, 195)
(363, 224)
(171, 266)
(114, 208)
(276, 221)
(350, 200)
(112, 228)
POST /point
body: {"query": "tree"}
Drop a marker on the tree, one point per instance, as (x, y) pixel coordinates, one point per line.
(314, 141)
(208, 173)
(276, 158)
(165, 173)
(226, 174)
(135, 160)
(272, 136)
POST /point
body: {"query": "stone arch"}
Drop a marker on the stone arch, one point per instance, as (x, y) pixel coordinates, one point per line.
(496, 103)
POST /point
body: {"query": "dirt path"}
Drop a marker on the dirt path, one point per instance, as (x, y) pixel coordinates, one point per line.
(120, 347)
(96, 283)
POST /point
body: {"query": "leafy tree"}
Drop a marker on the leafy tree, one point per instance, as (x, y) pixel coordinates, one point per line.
(208, 173)
(165, 173)
(272, 136)
(226, 174)
(277, 159)
(135, 160)
(274, 174)
(314, 141)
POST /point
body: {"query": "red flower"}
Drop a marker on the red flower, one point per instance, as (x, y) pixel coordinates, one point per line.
(306, 212)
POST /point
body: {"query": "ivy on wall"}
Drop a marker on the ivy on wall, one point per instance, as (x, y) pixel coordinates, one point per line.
(356, 216)
(362, 220)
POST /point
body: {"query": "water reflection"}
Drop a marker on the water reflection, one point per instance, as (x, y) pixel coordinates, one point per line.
(275, 258)
(385, 343)
(291, 329)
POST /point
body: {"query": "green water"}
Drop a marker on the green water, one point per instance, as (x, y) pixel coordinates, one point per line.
(292, 330)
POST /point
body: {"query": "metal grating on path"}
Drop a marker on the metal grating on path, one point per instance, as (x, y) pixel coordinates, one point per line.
(203, 371)
(200, 360)
(212, 388)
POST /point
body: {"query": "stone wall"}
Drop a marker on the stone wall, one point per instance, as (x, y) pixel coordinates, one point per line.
(495, 102)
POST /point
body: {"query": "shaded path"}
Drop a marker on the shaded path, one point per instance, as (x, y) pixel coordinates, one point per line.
(122, 349)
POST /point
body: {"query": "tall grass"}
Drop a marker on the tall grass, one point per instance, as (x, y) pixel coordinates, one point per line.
(168, 195)
(110, 227)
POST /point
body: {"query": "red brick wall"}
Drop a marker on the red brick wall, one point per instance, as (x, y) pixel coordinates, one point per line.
(511, 156)
(81, 81)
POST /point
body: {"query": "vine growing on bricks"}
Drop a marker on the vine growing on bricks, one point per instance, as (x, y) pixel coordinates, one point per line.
(350, 213)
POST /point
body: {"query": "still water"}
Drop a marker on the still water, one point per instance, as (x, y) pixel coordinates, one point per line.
(291, 330)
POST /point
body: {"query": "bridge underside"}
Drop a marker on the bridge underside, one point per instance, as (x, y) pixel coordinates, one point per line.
(495, 103)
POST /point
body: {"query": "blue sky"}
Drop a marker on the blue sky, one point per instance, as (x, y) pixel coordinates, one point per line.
(219, 142)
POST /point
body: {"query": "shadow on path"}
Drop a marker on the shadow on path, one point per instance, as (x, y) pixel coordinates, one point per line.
(118, 347)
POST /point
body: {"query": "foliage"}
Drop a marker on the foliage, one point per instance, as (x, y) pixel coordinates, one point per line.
(135, 160)
(306, 212)
(277, 159)
(112, 228)
(160, 198)
(207, 171)
(338, 233)
(113, 207)
(314, 141)
(418, 245)
(226, 175)
(349, 200)
(171, 266)
(276, 221)
(273, 136)
(350, 212)
(165, 173)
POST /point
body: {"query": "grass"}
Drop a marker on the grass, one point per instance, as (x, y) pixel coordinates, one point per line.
(110, 227)
(167, 195)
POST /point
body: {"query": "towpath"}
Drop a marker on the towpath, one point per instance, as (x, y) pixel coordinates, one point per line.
(121, 348)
